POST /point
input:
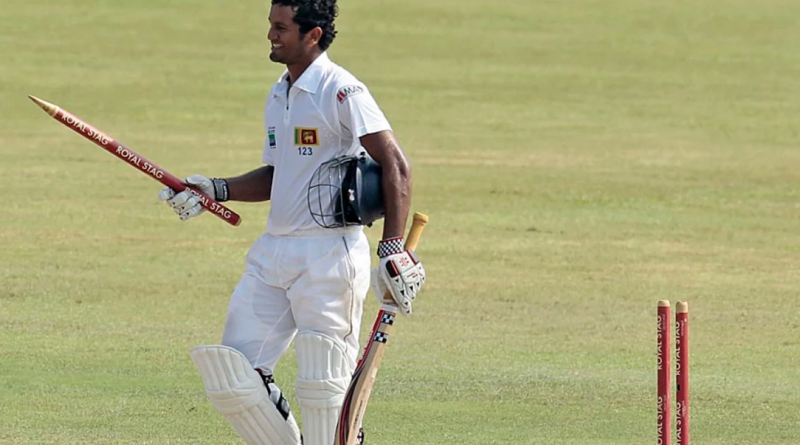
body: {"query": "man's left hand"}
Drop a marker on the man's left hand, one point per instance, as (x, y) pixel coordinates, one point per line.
(400, 272)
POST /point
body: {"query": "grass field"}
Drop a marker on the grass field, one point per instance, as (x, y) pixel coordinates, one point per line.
(579, 160)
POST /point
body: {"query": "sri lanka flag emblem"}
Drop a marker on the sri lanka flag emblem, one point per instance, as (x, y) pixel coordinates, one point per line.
(306, 136)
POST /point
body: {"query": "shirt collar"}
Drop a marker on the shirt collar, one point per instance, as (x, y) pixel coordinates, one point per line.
(312, 77)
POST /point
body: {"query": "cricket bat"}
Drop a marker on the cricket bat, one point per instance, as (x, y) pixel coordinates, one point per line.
(357, 396)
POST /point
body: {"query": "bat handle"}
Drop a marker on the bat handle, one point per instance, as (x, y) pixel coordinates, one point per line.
(414, 234)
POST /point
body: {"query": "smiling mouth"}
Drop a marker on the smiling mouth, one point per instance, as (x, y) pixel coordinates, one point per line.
(276, 46)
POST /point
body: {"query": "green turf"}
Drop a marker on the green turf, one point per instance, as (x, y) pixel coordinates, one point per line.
(579, 160)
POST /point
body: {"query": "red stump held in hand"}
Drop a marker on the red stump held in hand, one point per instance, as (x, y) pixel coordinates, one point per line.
(134, 159)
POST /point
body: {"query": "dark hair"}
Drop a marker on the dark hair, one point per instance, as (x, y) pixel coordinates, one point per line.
(312, 13)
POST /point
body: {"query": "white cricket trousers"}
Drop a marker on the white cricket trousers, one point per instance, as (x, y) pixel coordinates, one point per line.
(311, 283)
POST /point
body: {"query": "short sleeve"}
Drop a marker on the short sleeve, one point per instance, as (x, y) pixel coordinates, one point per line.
(358, 112)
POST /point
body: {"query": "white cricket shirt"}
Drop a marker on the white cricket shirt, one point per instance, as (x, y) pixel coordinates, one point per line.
(321, 117)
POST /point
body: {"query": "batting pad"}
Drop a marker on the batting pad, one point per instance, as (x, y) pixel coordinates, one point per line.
(238, 393)
(322, 378)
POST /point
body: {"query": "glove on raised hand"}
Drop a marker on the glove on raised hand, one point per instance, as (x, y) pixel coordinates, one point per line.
(186, 204)
(400, 272)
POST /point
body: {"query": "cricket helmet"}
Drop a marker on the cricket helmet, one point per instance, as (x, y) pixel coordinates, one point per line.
(346, 191)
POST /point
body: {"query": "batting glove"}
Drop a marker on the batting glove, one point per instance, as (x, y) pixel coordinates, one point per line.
(186, 204)
(400, 273)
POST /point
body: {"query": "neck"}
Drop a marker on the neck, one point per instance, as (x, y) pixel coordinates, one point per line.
(297, 69)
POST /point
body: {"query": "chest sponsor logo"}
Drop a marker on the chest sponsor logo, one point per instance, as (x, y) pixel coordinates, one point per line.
(305, 136)
(348, 91)
(273, 144)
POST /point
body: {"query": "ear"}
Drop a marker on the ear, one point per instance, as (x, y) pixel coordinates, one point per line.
(313, 37)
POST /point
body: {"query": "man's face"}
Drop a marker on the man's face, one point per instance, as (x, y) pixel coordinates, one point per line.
(284, 36)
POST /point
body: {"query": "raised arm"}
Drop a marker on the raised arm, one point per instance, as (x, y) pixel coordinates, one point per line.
(253, 186)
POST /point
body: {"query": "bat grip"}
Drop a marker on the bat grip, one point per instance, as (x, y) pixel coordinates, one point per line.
(414, 234)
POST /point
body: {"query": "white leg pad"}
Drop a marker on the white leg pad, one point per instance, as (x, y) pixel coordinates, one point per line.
(322, 378)
(238, 393)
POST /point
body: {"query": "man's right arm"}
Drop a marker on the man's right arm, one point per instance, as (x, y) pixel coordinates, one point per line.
(254, 186)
